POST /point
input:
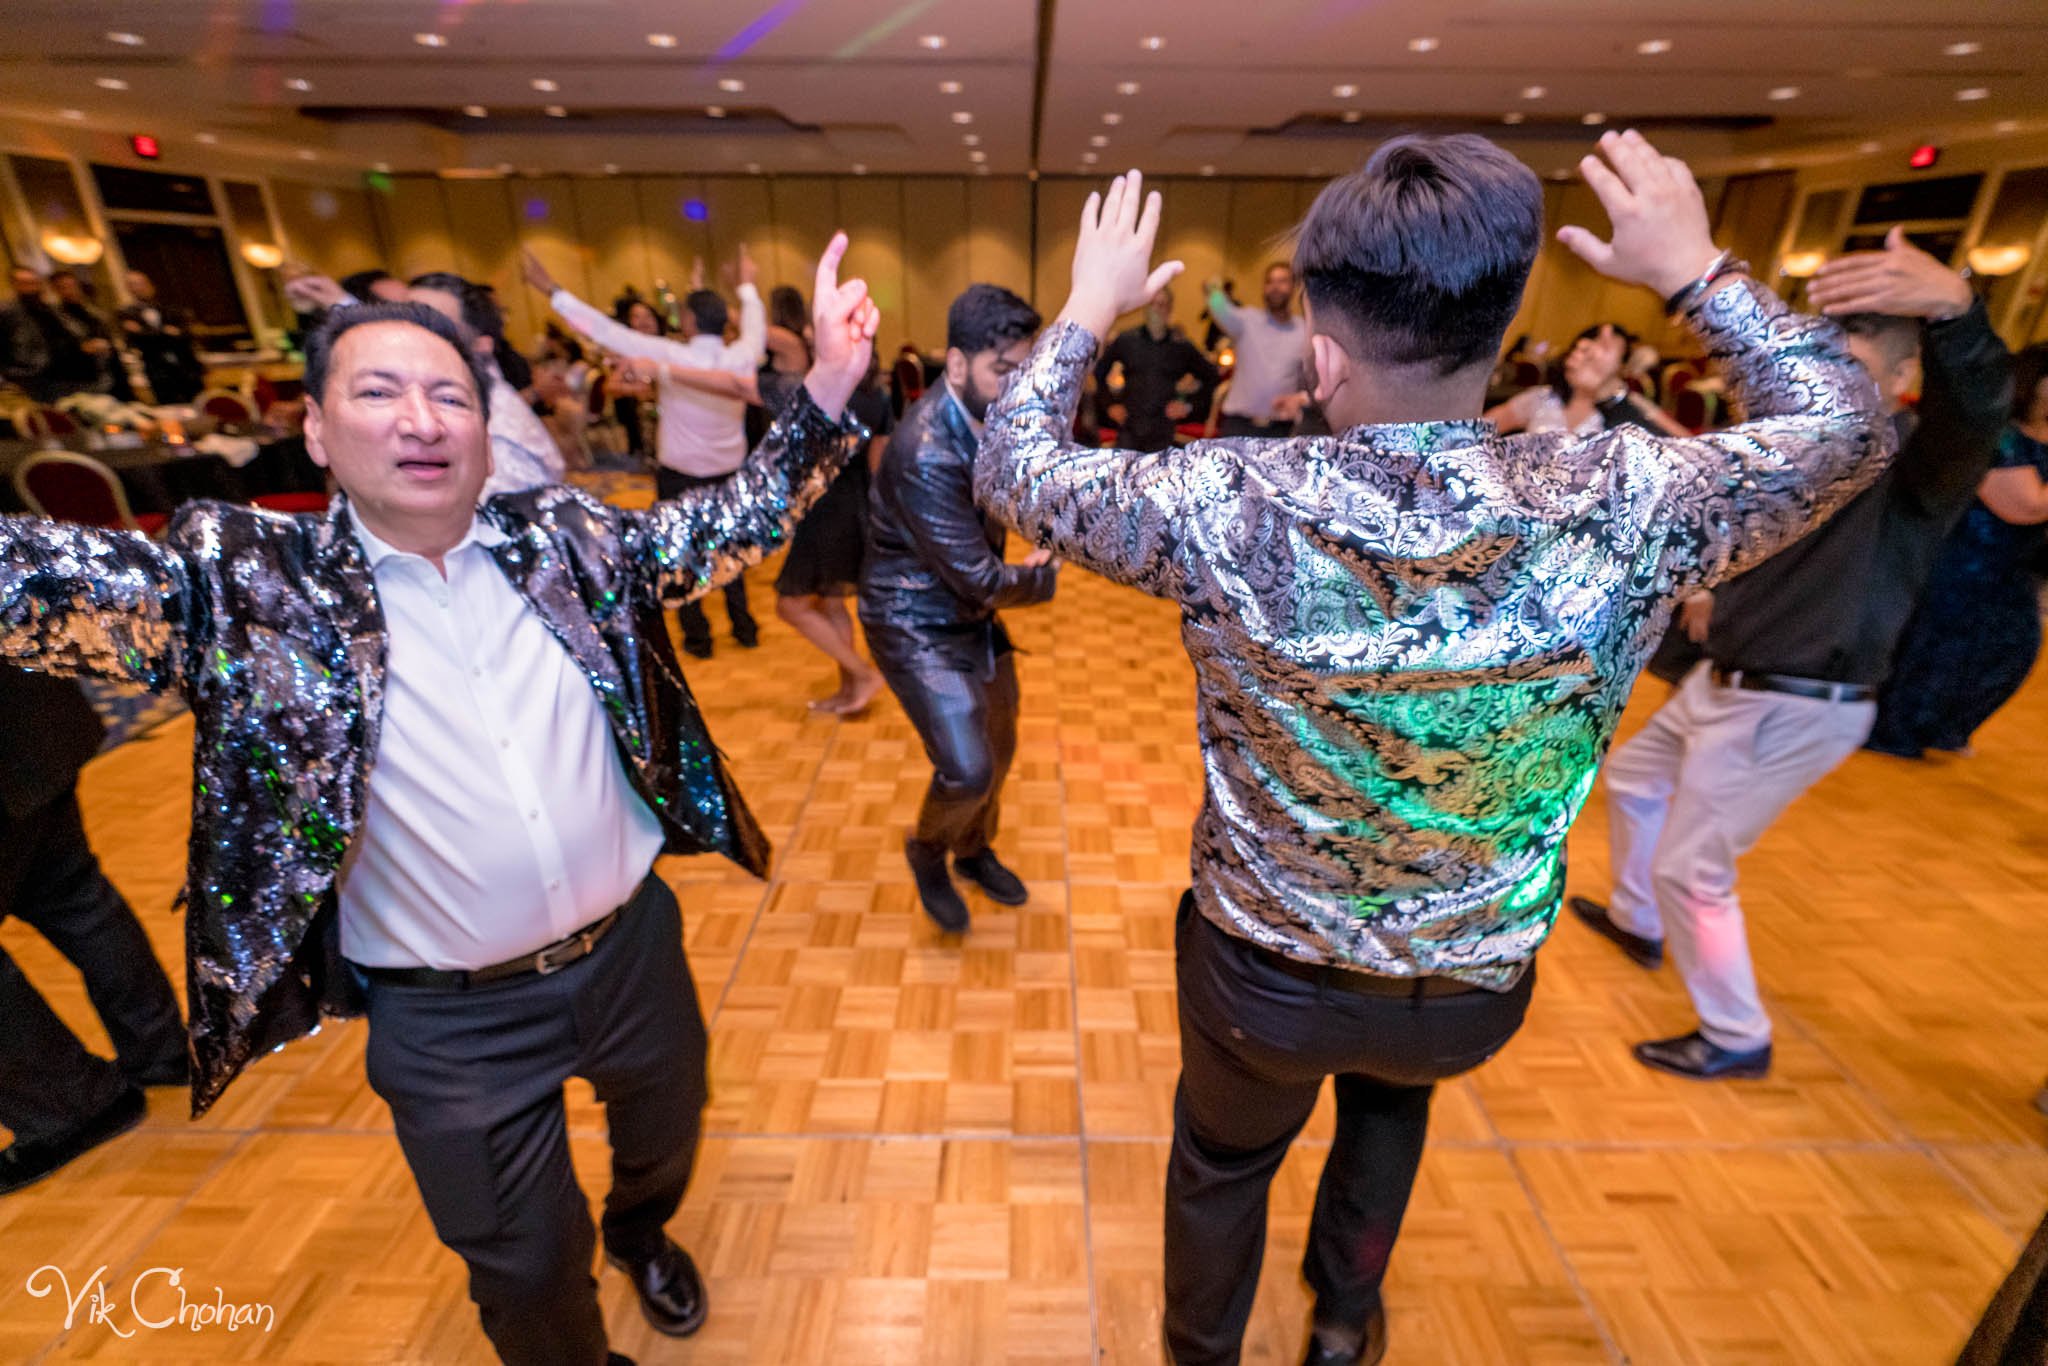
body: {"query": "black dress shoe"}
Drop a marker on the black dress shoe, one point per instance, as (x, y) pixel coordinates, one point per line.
(749, 639)
(617, 1359)
(1644, 953)
(30, 1160)
(176, 1072)
(1372, 1346)
(1691, 1055)
(985, 871)
(941, 899)
(697, 649)
(2041, 1101)
(671, 1293)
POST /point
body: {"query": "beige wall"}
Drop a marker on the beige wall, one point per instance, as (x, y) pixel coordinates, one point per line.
(918, 241)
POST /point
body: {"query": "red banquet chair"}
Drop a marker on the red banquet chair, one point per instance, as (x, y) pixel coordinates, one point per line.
(294, 503)
(77, 488)
(41, 424)
(225, 405)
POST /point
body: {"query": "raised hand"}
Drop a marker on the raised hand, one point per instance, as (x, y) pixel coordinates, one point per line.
(1113, 271)
(697, 274)
(308, 292)
(1661, 235)
(536, 274)
(844, 321)
(749, 270)
(1901, 280)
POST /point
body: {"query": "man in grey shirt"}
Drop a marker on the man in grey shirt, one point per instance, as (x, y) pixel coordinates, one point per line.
(1265, 396)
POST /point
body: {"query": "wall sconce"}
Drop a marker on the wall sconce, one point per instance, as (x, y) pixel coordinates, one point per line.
(72, 251)
(1803, 265)
(263, 255)
(1999, 260)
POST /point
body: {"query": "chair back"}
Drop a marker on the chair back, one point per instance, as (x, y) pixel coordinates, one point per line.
(73, 488)
(42, 424)
(1691, 409)
(908, 377)
(225, 405)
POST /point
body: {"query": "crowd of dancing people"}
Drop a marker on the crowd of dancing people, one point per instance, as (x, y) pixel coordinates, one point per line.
(442, 732)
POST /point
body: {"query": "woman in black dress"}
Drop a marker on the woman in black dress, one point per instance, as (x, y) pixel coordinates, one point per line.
(823, 564)
(1976, 633)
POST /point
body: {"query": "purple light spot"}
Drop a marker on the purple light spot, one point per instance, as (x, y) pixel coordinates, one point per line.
(535, 209)
(696, 210)
(771, 19)
(276, 16)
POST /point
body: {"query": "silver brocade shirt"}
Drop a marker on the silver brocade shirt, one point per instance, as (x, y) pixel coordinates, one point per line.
(1412, 643)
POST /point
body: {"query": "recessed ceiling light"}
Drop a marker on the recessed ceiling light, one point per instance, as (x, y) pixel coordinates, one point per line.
(545, 86)
(962, 116)
(1868, 147)
(1099, 140)
(611, 168)
(1534, 92)
(714, 111)
(1654, 47)
(1422, 44)
(2008, 126)
(1112, 118)
(1963, 49)
(949, 87)
(1512, 118)
(1352, 115)
(298, 83)
(475, 111)
(1785, 92)
(556, 111)
(111, 83)
(1560, 175)
(971, 140)
(981, 169)
(1344, 92)
(661, 40)
(977, 156)
(306, 154)
(732, 85)
(209, 139)
(932, 41)
(71, 113)
(382, 168)
(430, 39)
(125, 39)
(1592, 120)
(1089, 158)
(1126, 87)
(753, 168)
(1975, 92)
(1153, 43)
(860, 168)
(1766, 163)
(504, 168)
(1208, 170)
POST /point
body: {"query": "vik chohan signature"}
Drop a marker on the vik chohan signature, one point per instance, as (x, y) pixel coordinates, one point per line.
(158, 1298)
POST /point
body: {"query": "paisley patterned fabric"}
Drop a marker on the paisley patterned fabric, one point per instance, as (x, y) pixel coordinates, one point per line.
(1412, 642)
(270, 627)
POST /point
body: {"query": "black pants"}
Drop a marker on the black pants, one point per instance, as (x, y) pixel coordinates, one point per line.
(49, 1083)
(1235, 424)
(474, 1080)
(1255, 1046)
(969, 727)
(696, 627)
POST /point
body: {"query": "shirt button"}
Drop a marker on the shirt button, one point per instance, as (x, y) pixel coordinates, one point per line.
(476, 673)
(554, 886)
(504, 744)
(533, 815)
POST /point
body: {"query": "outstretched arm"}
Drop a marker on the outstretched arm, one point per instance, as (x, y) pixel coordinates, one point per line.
(1722, 502)
(600, 327)
(87, 602)
(1115, 512)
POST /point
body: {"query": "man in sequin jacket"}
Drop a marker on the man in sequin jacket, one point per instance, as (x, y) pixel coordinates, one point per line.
(1411, 642)
(437, 749)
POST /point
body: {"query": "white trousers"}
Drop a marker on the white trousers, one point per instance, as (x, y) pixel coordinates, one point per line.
(1690, 794)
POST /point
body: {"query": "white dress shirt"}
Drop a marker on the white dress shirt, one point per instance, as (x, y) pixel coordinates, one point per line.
(523, 453)
(499, 816)
(1270, 358)
(702, 434)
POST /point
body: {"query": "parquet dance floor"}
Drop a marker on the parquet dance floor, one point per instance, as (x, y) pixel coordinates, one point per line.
(923, 1153)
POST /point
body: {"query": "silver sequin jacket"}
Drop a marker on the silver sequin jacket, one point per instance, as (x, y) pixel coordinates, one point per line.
(1412, 642)
(270, 627)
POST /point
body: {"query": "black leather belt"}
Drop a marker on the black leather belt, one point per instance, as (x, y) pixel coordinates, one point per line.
(1353, 980)
(1820, 690)
(540, 963)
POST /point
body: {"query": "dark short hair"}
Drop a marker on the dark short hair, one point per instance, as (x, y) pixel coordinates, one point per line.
(707, 309)
(2029, 368)
(786, 308)
(320, 346)
(359, 283)
(1420, 256)
(479, 314)
(987, 318)
(660, 322)
(1897, 339)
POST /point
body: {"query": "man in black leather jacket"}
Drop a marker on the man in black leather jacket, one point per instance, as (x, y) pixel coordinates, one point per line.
(929, 593)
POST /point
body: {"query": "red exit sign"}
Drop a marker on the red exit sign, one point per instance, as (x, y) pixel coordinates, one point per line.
(1924, 157)
(144, 146)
